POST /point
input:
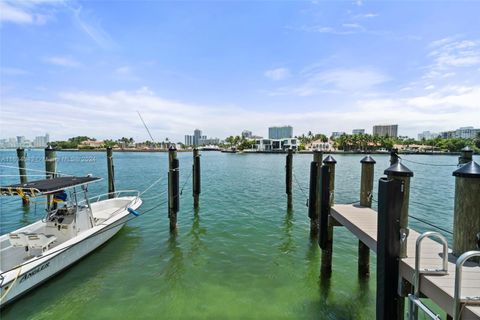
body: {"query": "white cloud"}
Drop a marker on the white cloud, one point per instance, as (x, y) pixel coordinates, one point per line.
(277, 74)
(26, 12)
(368, 15)
(13, 71)
(316, 81)
(441, 109)
(92, 27)
(63, 61)
(9, 13)
(125, 70)
(449, 52)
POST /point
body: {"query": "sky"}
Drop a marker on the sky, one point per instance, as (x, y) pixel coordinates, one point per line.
(85, 68)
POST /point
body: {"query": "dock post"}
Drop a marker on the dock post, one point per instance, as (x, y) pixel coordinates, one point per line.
(327, 253)
(314, 201)
(393, 156)
(22, 172)
(466, 155)
(389, 304)
(466, 221)
(288, 178)
(366, 192)
(111, 173)
(196, 178)
(50, 168)
(173, 187)
(400, 172)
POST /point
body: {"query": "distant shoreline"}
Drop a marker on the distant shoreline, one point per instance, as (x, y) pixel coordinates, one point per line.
(264, 152)
(253, 152)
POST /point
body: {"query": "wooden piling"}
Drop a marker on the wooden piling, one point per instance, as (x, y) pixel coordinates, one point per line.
(366, 193)
(400, 172)
(289, 178)
(466, 222)
(314, 198)
(327, 253)
(196, 178)
(22, 171)
(466, 155)
(389, 305)
(173, 187)
(111, 173)
(50, 168)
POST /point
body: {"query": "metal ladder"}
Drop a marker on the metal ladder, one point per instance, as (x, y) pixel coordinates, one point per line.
(414, 299)
(460, 301)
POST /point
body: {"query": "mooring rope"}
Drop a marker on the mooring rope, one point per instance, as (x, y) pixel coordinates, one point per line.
(428, 164)
(185, 183)
(13, 283)
(425, 221)
(36, 170)
(300, 187)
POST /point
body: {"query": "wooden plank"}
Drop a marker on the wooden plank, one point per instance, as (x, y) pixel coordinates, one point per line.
(362, 222)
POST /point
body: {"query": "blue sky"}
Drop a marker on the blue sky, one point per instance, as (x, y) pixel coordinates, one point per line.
(85, 68)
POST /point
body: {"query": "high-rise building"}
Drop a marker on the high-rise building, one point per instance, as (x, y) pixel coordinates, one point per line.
(246, 134)
(20, 141)
(197, 135)
(390, 130)
(336, 134)
(427, 135)
(41, 141)
(188, 140)
(466, 132)
(280, 132)
(358, 131)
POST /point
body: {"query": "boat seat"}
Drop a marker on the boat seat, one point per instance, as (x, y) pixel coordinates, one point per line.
(40, 241)
(18, 239)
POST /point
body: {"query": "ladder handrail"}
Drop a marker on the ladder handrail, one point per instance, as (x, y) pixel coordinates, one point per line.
(418, 247)
(457, 297)
(414, 298)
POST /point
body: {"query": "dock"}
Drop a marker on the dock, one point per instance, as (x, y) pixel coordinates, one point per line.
(362, 222)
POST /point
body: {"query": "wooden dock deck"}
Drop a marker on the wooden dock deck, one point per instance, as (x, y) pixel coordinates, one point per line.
(362, 222)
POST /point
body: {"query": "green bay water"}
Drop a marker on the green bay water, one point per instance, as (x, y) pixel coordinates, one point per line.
(241, 256)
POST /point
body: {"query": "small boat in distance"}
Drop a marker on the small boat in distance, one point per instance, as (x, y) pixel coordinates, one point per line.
(73, 226)
(229, 150)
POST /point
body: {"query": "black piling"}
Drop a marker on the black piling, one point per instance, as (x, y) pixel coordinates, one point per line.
(390, 199)
(111, 173)
(466, 155)
(173, 187)
(393, 156)
(289, 178)
(22, 171)
(327, 234)
(314, 192)
(196, 178)
(400, 172)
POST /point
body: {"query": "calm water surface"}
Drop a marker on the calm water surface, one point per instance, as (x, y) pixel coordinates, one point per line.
(242, 255)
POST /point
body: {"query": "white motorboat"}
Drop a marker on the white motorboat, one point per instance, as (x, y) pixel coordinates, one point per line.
(73, 226)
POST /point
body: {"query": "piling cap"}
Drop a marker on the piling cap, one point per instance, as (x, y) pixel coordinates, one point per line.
(329, 159)
(399, 170)
(467, 149)
(468, 170)
(368, 159)
(172, 148)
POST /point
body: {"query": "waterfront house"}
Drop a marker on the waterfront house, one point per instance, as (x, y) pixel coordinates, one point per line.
(275, 144)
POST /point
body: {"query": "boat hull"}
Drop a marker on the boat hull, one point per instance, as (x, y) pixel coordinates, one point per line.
(28, 277)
